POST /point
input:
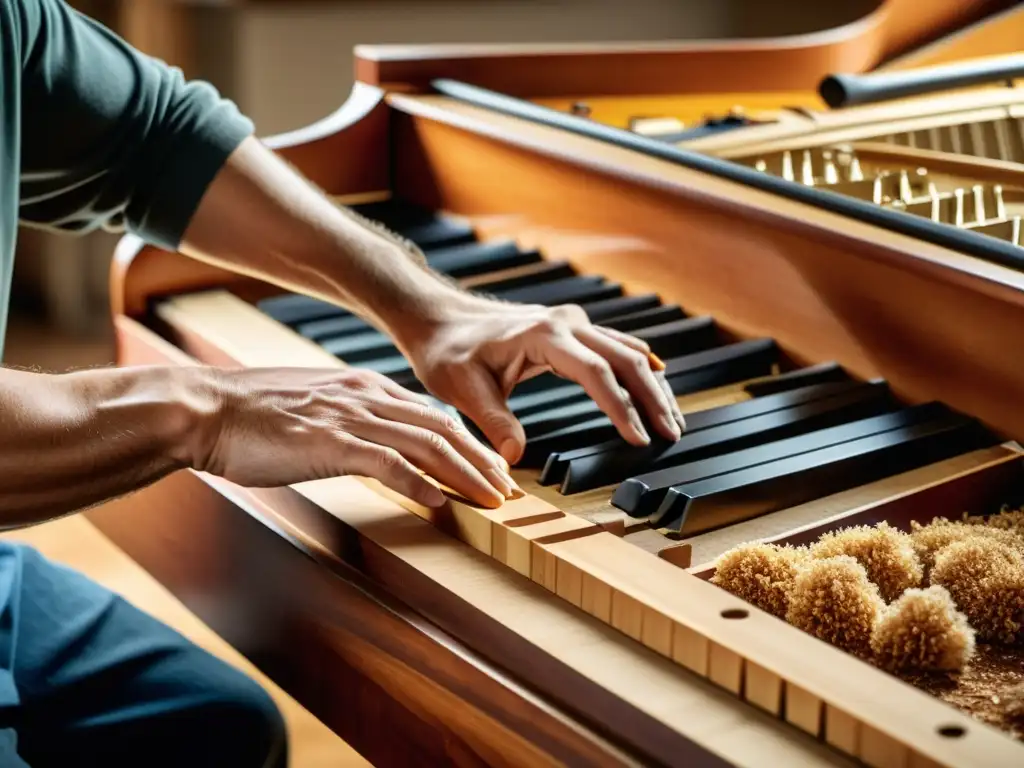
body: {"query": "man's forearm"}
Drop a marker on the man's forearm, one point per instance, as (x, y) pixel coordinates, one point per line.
(73, 440)
(261, 217)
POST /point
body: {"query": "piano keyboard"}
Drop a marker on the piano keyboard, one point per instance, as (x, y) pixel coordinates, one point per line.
(762, 435)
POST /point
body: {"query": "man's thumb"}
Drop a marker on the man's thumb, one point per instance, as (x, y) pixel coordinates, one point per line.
(488, 409)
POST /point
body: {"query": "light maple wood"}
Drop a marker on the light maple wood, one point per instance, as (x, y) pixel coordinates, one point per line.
(974, 169)
(867, 121)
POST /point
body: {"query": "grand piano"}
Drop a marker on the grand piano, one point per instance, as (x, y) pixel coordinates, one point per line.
(846, 349)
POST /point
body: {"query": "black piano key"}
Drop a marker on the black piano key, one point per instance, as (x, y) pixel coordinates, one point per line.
(545, 272)
(538, 383)
(620, 306)
(406, 378)
(779, 432)
(724, 499)
(360, 347)
(679, 337)
(426, 228)
(553, 419)
(580, 289)
(442, 232)
(293, 308)
(389, 365)
(471, 259)
(396, 214)
(645, 318)
(590, 456)
(687, 374)
(641, 495)
(539, 450)
(561, 394)
(720, 366)
(333, 327)
(801, 377)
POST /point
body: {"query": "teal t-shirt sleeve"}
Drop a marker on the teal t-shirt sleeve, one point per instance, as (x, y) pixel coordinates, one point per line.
(111, 137)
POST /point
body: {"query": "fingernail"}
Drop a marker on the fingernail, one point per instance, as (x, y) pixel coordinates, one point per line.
(656, 362)
(500, 481)
(432, 497)
(515, 491)
(634, 419)
(671, 425)
(500, 461)
(509, 450)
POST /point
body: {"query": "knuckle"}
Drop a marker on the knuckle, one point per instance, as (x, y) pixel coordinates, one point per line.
(570, 313)
(638, 362)
(436, 443)
(388, 460)
(596, 367)
(447, 423)
(549, 326)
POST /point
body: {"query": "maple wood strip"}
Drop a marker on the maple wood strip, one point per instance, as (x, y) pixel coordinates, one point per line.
(764, 689)
(874, 118)
(976, 169)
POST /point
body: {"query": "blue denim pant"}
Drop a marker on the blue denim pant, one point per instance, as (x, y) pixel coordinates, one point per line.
(88, 680)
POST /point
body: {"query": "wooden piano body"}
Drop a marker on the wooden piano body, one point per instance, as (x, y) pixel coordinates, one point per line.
(555, 631)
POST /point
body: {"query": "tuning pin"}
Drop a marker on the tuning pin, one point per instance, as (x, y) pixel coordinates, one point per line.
(787, 166)
(807, 169)
(829, 169)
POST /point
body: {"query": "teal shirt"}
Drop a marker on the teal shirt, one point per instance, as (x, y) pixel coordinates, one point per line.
(94, 134)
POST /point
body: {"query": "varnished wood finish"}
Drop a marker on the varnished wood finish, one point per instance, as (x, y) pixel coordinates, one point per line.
(797, 62)
(999, 33)
(617, 686)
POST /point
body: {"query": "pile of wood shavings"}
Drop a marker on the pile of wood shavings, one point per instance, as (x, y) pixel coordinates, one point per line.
(941, 606)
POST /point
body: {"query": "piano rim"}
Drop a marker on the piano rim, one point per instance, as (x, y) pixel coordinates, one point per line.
(965, 242)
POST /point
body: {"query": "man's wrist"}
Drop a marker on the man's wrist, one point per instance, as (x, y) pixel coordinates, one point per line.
(434, 308)
(178, 408)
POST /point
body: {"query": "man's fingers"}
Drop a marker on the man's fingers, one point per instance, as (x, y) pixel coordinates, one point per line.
(630, 341)
(432, 453)
(367, 459)
(633, 369)
(478, 396)
(570, 358)
(492, 466)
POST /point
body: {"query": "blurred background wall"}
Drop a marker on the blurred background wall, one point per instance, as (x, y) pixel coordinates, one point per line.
(289, 62)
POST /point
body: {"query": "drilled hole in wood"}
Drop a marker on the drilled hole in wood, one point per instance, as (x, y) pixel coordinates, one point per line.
(735, 613)
(952, 731)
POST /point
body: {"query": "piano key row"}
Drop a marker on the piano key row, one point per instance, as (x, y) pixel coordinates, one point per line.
(801, 434)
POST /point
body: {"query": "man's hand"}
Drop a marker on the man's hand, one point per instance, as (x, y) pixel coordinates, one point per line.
(276, 427)
(480, 349)
(261, 218)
